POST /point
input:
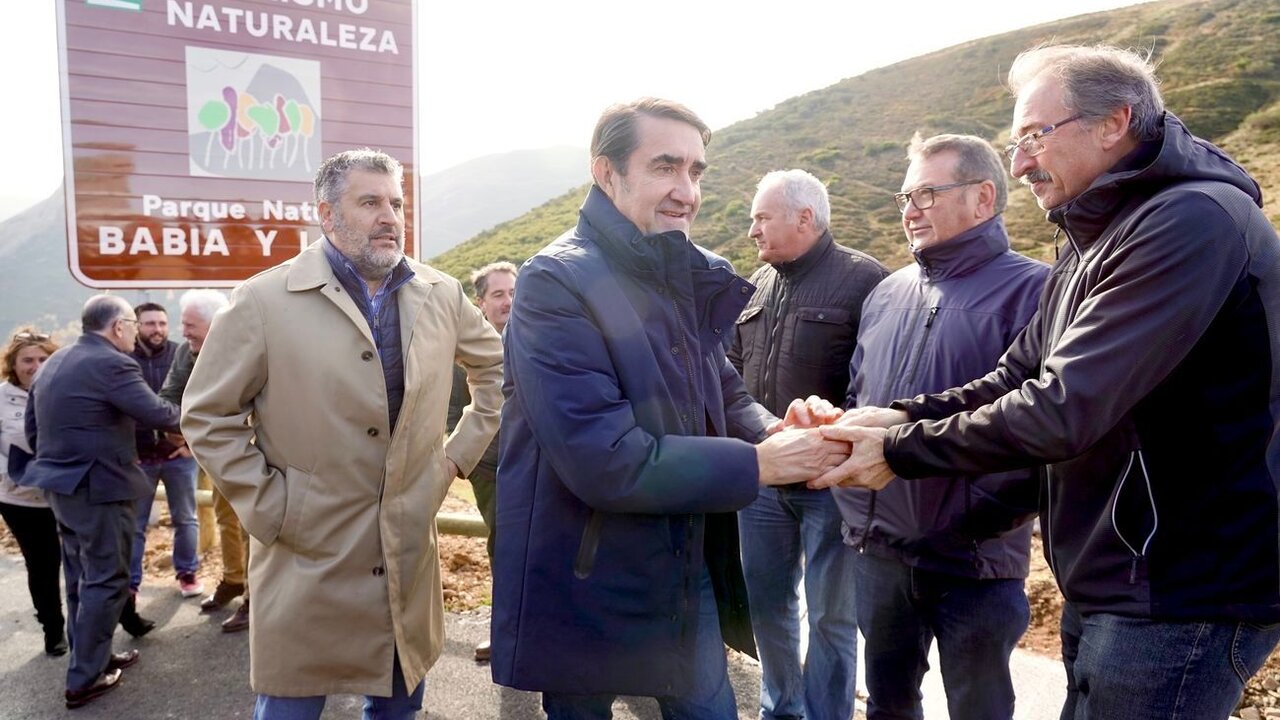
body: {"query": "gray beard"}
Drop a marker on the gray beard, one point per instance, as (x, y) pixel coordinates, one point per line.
(375, 267)
(371, 264)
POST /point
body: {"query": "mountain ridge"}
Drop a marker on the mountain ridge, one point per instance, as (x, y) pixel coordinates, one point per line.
(1219, 63)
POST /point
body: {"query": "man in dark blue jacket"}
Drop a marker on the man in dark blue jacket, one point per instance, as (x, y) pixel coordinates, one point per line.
(80, 422)
(934, 558)
(162, 460)
(1146, 384)
(628, 440)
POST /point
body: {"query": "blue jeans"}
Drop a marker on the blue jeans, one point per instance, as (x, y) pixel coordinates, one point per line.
(179, 475)
(1124, 668)
(711, 697)
(977, 623)
(402, 705)
(787, 532)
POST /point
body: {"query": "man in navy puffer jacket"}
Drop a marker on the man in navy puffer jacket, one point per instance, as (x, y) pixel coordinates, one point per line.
(934, 558)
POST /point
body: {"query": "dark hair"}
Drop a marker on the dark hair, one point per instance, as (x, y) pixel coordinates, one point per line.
(102, 310)
(480, 278)
(23, 338)
(149, 307)
(1096, 80)
(975, 160)
(615, 136)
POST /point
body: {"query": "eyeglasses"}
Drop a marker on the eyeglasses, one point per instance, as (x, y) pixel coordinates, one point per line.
(922, 197)
(1030, 144)
(135, 321)
(30, 336)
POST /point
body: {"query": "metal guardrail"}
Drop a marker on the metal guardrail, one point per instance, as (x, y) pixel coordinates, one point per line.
(204, 498)
(464, 524)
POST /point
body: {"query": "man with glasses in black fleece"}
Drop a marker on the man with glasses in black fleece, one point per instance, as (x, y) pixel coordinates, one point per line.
(1147, 385)
(934, 560)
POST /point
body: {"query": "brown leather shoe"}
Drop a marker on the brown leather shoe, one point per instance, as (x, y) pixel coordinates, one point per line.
(223, 594)
(239, 621)
(105, 683)
(122, 660)
(483, 652)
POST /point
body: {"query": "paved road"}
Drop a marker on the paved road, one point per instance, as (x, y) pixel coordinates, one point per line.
(189, 669)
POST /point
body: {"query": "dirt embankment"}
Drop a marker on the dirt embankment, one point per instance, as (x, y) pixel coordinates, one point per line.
(1262, 693)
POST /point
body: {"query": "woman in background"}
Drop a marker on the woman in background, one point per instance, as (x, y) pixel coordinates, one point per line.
(24, 509)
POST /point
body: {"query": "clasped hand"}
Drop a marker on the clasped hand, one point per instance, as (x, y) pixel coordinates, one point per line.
(819, 445)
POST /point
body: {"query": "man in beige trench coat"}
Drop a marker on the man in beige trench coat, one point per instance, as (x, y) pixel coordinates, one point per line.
(318, 405)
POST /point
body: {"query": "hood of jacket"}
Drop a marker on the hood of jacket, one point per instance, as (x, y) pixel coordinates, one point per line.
(1178, 156)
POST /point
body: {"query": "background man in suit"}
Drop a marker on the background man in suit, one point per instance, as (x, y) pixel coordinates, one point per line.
(343, 358)
(80, 422)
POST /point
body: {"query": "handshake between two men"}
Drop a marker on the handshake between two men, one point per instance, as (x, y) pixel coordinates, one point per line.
(823, 446)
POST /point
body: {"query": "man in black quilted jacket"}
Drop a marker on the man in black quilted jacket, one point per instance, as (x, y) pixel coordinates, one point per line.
(793, 340)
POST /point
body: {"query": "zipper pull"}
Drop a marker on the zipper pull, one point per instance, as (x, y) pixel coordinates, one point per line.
(1133, 570)
(933, 312)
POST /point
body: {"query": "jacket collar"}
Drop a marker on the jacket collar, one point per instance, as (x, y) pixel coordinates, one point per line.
(93, 338)
(801, 265)
(668, 259)
(965, 252)
(310, 269)
(346, 272)
(652, 257)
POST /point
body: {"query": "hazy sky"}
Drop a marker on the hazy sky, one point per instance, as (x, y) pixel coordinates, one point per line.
(512, 74)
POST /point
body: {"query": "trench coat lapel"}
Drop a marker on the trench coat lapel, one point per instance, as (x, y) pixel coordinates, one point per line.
(311, 270)
(411, 297)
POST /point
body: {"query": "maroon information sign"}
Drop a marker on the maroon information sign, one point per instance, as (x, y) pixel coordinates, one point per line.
(192, 129)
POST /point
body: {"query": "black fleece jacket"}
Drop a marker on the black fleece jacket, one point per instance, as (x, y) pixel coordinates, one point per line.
(1148, 386)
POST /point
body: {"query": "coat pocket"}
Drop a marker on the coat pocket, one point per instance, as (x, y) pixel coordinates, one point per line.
(297, 484)
(823, 336)
(748, 327)
(1134, 516)
(585, 562)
